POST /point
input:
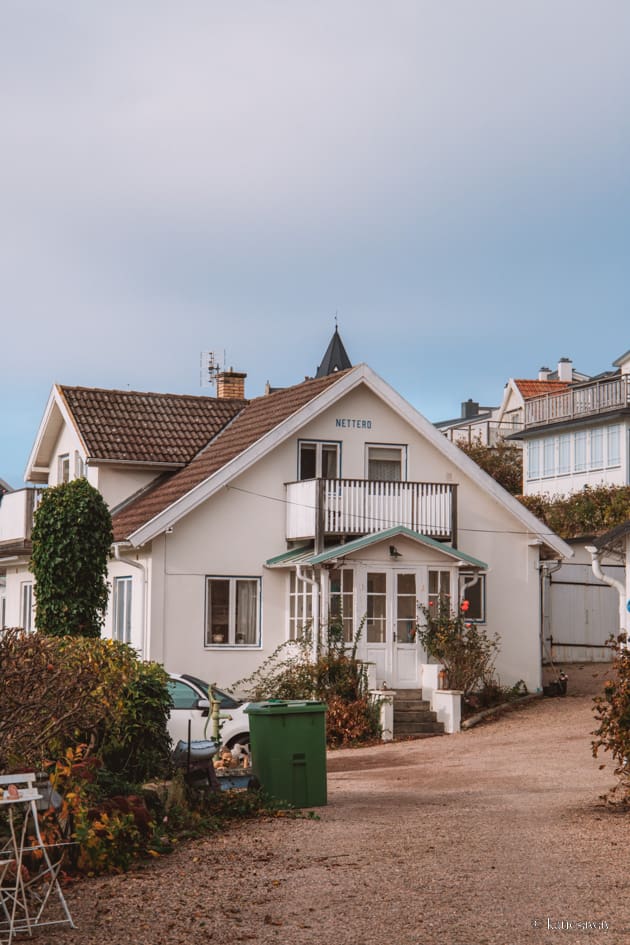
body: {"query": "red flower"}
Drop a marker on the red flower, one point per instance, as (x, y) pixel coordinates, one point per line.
(465, 604)
(431, 603)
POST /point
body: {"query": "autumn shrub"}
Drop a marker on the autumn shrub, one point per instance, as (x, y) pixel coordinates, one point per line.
(503, 461)
(592, 510)
(58, 692)
(612, 711)
(463, 647)
(335, 677)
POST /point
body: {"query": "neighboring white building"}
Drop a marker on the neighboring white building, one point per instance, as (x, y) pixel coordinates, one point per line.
(237, 522)
(579, 436)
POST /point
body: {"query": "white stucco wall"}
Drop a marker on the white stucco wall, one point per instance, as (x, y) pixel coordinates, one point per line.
(235, 531)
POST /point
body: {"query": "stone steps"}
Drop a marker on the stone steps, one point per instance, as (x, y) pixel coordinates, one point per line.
(413, 715)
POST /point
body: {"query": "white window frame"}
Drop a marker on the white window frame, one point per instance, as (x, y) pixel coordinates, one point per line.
(319, 445)
(300, 609)
(549, 457)
(26, 605)
(564, 454)
(580, 447)
(63, 468)
(596, 443)
(533, 459)
(479, 588)
(400, 448)
(232, 641)
(79, 466)
(122, 619)
(341, 602)
(613, 445)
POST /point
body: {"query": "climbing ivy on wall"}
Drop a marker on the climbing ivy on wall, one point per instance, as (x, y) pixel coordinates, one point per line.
(72, 534)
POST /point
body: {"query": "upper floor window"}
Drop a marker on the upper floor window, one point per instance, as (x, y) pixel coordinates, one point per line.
(597, 448)
(549, 456)
(386, 463)
(564, 454)
(63, 468)
(579, 451)
(232, 611)
(318, 459)
(533, 462)
(614, 445)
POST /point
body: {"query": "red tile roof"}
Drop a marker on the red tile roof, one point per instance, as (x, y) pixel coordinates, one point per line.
(132, 426)
(259, 417)
(537, 388)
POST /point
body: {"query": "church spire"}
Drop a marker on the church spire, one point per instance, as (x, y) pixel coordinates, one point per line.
(335, 358)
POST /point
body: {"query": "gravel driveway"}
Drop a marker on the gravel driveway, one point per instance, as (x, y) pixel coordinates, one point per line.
(495, 836)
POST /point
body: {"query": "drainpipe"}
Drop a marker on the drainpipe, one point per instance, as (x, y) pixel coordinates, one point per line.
(547, 568)
(143, 609)
(316, 591)
(612, 582)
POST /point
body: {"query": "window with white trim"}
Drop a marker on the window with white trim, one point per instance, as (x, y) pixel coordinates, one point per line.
(79, 465)
(475, 594)
(439, 587)
(613, 445)
(318, 459)
(232, 611)
(300, 607)
(549, 456)
(579, 451)
(564, 454)
(121, 624)
(386, 462)
(597, 449)
(63, 468)
(26, 605)
(341, 601)
(533, 461)
(406, 607)
(376, 613)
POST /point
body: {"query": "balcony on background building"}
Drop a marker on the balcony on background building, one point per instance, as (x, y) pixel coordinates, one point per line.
(577, 403)
(16, 516)
(354, 507)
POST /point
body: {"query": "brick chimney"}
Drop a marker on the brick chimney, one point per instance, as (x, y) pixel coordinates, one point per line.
(565, 370)
(231, 384)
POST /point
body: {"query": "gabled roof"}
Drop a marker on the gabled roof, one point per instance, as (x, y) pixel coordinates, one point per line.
(529, 388)
(268, 421)
(258, 418)
(126, 426)
(335, 359)
(358, 544)
(133, 426)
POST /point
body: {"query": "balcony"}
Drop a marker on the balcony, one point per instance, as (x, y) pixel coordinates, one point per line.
(337, 507)
(578, 403)
(16, 516)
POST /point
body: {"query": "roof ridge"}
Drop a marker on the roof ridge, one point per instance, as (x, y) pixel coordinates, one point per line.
(149, 393)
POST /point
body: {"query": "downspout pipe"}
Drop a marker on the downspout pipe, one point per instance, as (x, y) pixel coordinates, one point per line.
(143, 607)
(612, 582)
(316, 601)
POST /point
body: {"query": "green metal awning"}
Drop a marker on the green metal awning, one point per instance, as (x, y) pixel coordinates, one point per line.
(305, 554)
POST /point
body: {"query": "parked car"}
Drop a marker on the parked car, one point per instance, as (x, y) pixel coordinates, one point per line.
(191, 703)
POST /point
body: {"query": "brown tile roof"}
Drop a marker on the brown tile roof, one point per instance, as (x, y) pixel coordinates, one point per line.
(132, 426)
(259, 417)
(537, 388)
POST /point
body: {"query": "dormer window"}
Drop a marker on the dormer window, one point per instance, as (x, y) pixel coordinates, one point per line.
(318, 459)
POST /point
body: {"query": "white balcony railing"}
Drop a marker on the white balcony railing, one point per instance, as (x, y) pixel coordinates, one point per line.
(362, 506)
(16, 514)
(577, 402)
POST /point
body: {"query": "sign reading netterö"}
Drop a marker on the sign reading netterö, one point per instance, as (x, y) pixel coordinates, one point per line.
(353, 424)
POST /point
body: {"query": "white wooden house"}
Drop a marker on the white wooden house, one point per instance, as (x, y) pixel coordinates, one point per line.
(237, 522)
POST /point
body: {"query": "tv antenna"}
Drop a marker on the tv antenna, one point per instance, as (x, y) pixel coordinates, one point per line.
(210, 368)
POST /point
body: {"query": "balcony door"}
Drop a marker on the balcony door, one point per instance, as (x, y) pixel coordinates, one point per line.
(390, 625)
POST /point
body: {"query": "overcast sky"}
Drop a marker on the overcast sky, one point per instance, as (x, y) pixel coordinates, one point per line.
(451, 178)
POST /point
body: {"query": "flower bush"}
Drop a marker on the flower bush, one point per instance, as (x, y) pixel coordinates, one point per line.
(463, 647)
(612, 711)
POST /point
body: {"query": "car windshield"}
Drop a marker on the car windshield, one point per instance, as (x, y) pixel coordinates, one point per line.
(227, 702)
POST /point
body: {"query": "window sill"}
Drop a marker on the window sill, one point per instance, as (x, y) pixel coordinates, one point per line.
(232, 646)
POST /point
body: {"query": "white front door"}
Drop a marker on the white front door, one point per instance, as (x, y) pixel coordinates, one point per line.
(390, 626)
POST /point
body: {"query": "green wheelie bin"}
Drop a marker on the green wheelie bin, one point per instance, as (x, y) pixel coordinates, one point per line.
(288, 744)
